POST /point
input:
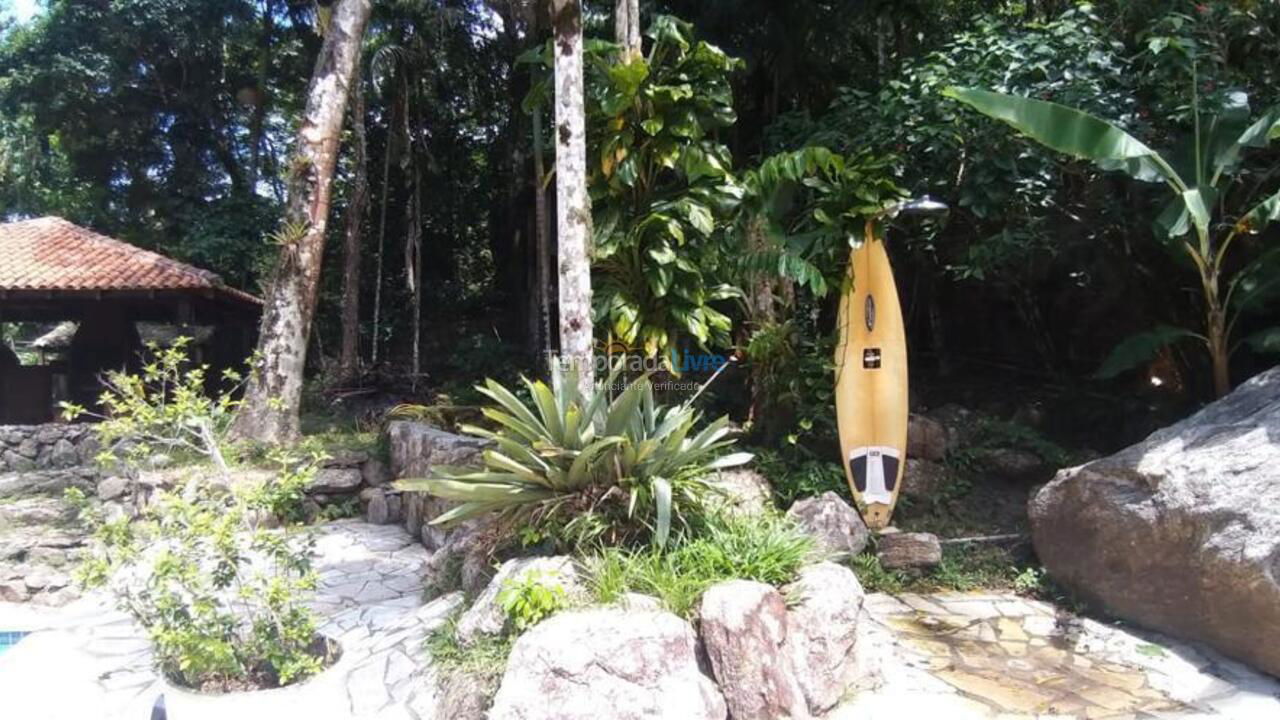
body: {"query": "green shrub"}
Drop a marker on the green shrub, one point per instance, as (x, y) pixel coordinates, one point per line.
(162, 409)
(794, 478)
(529, 599)
(765, 548)
(223, 603)
(586, 467)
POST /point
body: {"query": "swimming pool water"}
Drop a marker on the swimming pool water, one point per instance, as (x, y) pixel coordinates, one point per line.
(8, 639)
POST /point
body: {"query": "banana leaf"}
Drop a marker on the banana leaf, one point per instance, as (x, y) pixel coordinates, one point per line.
(1072, 132)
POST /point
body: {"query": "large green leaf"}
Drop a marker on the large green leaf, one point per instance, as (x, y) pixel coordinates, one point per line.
(1073, 133)
(1139, 349)
(1265, 341)
(1262, 214)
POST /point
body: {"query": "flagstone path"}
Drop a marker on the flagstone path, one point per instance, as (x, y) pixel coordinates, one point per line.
(946, 656)
(1002, 656)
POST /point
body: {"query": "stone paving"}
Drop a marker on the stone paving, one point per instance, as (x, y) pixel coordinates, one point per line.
(1003, 656)
(950, 656)
(87, 660)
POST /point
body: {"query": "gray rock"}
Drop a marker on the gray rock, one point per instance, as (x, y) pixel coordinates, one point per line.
(1181, 532)
(375, 472)
(335, 480)
(377, 512)
(607, 663)
(417, 447)
(346, 458)
(486, 616)
(741, 491)
(834, 525)
(113, 487)
(927, 439)
(822, 632)
(922, 480)
(909, 550)
(64, 454)
(14, 591)
(394, 513)
(639, 602)
(1013, 464)
(744, 631)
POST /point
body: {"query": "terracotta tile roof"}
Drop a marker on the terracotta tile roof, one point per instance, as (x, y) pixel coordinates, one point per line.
(52, 254)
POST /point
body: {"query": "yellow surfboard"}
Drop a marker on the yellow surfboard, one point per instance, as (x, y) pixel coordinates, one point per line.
(871, 382)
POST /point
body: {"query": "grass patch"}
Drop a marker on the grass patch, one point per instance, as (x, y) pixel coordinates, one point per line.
(486, 657)
(765, 548)
(963, 569)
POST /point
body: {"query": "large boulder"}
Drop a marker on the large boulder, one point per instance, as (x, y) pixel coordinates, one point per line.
(744, 631)
(1181, 532)
(822, 632)
(607, 663)
(836, 528)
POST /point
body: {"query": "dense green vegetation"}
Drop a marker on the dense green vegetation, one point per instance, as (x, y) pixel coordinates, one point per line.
(731, 164)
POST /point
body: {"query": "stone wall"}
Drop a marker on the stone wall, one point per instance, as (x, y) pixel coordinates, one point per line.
(55, 446)
(415, 449)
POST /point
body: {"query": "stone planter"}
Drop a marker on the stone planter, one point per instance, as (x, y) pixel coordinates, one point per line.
(324, 695)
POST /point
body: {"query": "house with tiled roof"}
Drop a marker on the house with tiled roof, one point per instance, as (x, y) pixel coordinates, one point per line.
(53, 271)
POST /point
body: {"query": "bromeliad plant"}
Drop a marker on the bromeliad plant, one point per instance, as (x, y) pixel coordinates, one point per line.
(1201, 180)
(594, 467)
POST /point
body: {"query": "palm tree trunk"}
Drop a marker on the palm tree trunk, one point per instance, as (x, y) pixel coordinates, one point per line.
(272, 400)
(573, 206)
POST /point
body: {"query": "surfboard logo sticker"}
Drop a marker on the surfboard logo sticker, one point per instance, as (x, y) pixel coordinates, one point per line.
(869, 312)
(871, 359)
(875, 472)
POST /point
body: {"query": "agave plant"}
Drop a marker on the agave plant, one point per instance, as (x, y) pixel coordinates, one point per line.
(565, 454)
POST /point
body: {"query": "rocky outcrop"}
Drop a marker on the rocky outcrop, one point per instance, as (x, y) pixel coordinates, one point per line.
(54, 446)
(741, 491)
(415, 449)
(922, 480)
(744, 631)
(1181, 532)
(607, 663)
(834, 525)
(822, 632)
(898, 551)
(486, 615)
(927, 439)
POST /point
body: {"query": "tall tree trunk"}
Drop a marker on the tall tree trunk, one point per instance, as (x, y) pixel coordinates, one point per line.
(626, 29)
(349, 357)
(382, 239)
(272, 400)
(415, 241)
(542, 244)
(573, 206)
(257, 124)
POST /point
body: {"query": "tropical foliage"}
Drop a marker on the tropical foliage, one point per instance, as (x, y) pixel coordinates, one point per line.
(1202, 189)
(597, 467)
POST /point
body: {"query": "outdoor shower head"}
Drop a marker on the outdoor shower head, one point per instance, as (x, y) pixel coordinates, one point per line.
(924, 206)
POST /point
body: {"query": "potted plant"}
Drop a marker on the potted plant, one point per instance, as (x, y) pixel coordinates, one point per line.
(222, 596)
